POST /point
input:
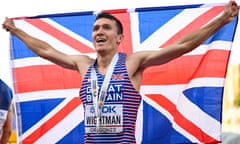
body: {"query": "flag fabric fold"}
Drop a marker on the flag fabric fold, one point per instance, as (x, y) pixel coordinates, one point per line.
(182, 100)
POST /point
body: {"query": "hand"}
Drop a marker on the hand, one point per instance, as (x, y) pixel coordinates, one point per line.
(231, 10)
(8, 25)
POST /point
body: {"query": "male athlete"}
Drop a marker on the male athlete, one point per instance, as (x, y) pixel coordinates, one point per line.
(111, 82)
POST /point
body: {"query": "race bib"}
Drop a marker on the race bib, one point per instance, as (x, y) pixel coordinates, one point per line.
(111, 119)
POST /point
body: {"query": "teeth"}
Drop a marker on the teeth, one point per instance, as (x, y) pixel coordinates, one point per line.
(101, 40)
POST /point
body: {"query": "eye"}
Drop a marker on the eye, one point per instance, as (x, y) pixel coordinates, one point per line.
(96, 28)
(107, 27)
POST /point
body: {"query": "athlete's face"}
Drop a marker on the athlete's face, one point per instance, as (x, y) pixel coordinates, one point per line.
(105, 36)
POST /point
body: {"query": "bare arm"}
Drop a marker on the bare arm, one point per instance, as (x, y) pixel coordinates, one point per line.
(7, 127)
(137, 62)
(190, 41)
(45, 50)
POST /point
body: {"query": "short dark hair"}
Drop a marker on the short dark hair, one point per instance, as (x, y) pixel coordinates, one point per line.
(111, 17)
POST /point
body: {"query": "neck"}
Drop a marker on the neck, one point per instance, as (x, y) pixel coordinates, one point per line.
(103, 61)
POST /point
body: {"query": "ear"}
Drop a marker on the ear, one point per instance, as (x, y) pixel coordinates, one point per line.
(120, 38)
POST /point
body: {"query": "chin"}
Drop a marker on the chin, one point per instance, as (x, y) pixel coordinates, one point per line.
(100, 49)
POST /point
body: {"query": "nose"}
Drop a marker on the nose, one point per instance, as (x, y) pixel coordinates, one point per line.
(100, 31)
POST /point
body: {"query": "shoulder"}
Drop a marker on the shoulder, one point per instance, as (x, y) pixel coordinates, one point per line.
(134, 62)
(138, 58)
(83, 62)
(84, 58)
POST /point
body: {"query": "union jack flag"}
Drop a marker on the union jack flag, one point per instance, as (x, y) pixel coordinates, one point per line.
(182, 99)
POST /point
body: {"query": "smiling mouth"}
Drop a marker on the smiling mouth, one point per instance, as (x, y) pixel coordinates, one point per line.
(101, 40)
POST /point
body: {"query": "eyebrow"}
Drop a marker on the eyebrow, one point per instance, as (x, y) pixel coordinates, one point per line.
(104, 25)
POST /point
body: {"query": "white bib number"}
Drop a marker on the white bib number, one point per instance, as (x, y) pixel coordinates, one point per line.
(110, 121)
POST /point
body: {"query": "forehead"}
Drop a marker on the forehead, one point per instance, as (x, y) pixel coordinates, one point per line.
(102, 21)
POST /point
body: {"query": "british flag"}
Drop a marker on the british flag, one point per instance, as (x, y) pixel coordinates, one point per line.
(182, 100)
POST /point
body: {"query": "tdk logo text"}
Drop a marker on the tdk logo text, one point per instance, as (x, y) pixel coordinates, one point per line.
(105, 109)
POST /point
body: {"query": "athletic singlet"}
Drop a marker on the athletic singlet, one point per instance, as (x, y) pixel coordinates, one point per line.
(119, 112)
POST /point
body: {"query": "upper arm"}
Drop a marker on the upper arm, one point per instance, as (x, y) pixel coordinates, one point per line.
(74, 62)
(78, 63)
(161, 56)
(139, 61)
(61, 59)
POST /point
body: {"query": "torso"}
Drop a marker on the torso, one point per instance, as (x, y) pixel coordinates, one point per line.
(119, 111)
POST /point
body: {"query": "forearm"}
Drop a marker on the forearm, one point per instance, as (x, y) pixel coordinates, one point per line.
(5, 137)
(41, 48)
(7, 128)
(36, 45)
(194, 39)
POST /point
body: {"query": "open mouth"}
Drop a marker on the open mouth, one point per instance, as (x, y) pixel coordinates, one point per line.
(101, 40)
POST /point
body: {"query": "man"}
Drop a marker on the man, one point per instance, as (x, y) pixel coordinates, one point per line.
(5, 112)
(108, 119)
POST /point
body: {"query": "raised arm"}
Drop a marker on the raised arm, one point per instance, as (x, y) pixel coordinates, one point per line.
(45, 50)
(190, 41)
